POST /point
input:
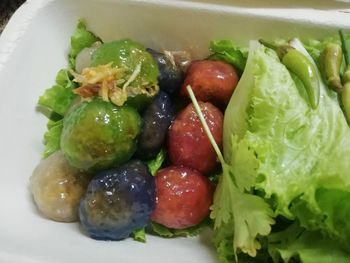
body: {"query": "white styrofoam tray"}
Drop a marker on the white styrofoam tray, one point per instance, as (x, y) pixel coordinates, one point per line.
(34, 47)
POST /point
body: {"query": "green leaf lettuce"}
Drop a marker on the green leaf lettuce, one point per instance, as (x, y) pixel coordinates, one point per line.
(282, 159)
(305, 246)
(54, 103)
(227, 51)
(59, 97)
(52, 137)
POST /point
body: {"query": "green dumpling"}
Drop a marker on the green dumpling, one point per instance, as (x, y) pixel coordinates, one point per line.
(128, 54)
(98, 134)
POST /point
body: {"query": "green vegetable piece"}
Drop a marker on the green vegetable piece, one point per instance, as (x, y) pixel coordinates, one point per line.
(52, 137)
(128, 54)
(307, 246)
(315, 46)
(57, 99)
(335, 207)
(345, 94)
(54, 103)
(166, 232)
(345, 99)
(65, 79)
(99, 135)
(302, 67)
(346, 50)
(155, 164)
(80, 39)
(139, 235)
(297, 63)
(227, 51)
(330, 62)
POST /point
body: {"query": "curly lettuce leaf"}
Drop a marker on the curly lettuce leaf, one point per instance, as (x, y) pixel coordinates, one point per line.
(54, 103)
(299, 152)
(59, 97)
(52, 137)
(305, 246)
(65, 79)
(333, 214)
(227, 51)
(235, 211)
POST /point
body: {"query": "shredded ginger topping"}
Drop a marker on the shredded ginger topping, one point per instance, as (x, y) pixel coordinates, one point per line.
(111, 84)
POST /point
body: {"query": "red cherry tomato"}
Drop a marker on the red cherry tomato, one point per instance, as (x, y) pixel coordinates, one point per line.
(211, 81)
(188, 144)
(184, 197)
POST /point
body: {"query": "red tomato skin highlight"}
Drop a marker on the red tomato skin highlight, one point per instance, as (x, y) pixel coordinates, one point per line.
(188, 144)
(211, 81)
(184, 197)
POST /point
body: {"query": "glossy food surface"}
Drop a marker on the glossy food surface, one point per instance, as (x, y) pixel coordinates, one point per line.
(183, 197)
(31, 72)
(211, 81)
(128, 54)
(98, 134)
(57, 188)
(156, 121)
(118, 201)
(188, 144)
(170, 75)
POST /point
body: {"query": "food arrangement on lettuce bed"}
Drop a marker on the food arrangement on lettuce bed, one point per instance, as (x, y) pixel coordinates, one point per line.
(135, 140)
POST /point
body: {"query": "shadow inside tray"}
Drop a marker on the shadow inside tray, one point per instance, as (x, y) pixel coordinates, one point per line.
(313, 4)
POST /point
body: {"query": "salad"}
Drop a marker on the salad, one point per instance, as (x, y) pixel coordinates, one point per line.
(252, 142)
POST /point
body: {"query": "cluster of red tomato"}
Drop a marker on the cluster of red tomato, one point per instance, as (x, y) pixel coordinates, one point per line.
(184, 192)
